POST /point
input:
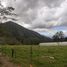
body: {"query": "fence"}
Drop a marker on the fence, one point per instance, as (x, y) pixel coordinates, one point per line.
(36, 56)
(21, 55)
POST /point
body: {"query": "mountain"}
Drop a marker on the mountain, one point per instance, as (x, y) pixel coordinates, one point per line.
(12, 33)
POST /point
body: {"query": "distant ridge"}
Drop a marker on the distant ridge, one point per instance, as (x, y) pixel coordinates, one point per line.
(12, 33)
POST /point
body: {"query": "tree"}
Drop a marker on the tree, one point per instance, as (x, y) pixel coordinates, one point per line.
(58, 37)
(65, 39)
(6, 13)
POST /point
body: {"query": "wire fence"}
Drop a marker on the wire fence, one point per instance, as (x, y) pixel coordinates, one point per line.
(24, 55)
(36, 56)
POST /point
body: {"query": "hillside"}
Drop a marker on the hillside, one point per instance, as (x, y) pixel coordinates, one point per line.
(12, 33)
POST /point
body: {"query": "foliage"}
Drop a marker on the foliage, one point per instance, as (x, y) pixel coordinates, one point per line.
(59, 36)
(13, 32)
(6, 12)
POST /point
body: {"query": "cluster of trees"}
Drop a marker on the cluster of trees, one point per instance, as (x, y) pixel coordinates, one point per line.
(59, 37)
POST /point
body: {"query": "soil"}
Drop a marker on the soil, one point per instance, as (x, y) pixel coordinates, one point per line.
(4, 62)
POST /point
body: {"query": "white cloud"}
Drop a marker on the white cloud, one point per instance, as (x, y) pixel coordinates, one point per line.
(49, 17)
(41, 14)
(45, 17)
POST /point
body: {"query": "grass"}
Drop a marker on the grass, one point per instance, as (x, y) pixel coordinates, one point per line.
(42, 56)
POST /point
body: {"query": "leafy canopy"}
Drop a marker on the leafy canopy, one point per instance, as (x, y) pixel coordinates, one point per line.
(6, 13)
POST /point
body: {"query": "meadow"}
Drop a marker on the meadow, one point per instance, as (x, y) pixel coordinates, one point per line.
(42, 56)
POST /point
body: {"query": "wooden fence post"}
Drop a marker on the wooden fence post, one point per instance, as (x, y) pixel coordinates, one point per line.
(12, 52)
(31, 56)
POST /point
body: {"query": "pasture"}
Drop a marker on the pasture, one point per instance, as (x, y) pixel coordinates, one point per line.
(42, 56)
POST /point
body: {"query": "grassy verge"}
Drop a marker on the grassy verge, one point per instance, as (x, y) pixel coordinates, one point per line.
(43, 56)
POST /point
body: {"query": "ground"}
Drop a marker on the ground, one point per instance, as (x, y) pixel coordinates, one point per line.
(40, 56)
(4, 62)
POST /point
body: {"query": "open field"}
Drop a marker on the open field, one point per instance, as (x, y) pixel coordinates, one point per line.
(42, 56)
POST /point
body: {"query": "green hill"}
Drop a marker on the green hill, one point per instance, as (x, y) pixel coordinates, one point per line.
(12, 33)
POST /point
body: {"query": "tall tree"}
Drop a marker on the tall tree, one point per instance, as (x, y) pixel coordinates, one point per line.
(58, 37)
(6, 12)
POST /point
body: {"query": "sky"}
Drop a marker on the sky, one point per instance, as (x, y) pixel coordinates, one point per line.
(43, 16)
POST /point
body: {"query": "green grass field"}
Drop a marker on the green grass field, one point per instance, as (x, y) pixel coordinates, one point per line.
(42, 56)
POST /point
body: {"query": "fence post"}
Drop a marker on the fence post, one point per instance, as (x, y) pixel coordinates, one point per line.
(31, 56)
(2, 50)
(12, 52)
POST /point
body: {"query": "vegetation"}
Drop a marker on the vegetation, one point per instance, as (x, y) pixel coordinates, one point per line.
(58, 37)
(6, 13)
(12, 33)
(42, 56)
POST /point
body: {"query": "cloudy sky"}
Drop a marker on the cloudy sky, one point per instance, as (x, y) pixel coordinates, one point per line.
(43, 16)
